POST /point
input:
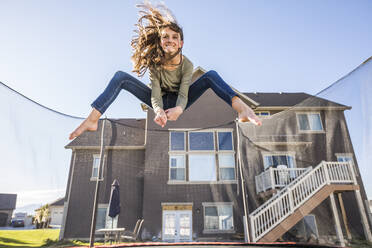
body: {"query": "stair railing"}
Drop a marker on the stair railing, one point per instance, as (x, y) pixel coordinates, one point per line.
(291, 197)
(277, 178)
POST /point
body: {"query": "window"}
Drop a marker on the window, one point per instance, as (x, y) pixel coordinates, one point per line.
(225, 141)
(273, 160)
(96, 161)
(227, 166)
(177, 167)
(346, 157)
(218, 217)
(201, 141)
(205, 156)
(202, 167)
(309, 122)
(262, 113)
(103, 220)
(177, 141)
(101, 217)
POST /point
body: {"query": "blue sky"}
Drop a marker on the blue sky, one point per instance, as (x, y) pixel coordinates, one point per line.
(63, 53)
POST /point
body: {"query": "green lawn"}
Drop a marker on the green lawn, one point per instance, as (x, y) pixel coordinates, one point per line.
(36, 238)
(27, 238)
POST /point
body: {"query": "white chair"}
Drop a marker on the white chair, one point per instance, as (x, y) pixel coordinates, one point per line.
(283, 175)
(133, 236)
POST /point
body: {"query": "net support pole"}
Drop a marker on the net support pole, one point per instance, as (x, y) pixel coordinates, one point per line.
(366, 229)
(98, 179)
(242, 181)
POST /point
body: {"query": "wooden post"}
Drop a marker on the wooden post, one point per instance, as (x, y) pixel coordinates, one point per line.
(367, 231)
(339, 234)
(344, 216)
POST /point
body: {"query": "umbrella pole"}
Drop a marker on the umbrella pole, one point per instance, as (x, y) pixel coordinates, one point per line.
(95, 205)
(112, 227)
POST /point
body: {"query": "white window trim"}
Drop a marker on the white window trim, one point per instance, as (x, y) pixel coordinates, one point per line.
(309, 131)
(344, 155)
(198, 152)
(92, 178)
(258, 113)
(201, 131)
(184, 167)
(219, 168)
(279, 153)
(184, 141)
(216, 204)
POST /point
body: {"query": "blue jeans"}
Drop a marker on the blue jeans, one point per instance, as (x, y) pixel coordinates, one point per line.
(123, 80)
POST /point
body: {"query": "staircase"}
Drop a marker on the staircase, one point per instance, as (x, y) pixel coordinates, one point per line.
(281, 212)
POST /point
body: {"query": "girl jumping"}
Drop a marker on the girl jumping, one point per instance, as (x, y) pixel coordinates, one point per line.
(158, 47)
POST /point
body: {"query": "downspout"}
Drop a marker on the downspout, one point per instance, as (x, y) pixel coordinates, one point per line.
(146, 127)
(245, 218)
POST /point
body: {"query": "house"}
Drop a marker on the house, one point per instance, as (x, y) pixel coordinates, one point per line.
(300, 175)
(56, 211)
(7, 206)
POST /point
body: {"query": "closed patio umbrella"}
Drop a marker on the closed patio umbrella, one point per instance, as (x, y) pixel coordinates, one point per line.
(114, 205)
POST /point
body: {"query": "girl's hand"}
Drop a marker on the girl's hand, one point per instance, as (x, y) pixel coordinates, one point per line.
(173, 113)
(161, 118)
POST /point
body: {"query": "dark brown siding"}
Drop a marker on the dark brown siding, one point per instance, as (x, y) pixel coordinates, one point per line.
(124, 165)
(208, 111)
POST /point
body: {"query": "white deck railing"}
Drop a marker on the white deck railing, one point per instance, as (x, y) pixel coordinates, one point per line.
(287, 200)
(277, 178)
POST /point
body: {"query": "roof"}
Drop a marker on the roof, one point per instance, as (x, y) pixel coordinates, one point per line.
(199, 71)
(284, 100)
(118, 132)
(58, 202)
(8, 201)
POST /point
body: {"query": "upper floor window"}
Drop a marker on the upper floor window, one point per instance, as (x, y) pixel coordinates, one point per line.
(177, 167)
(346, 157)
(309, 122)
(95, 166)
(275, 160)
(262, 113)
(207, 156)
(201, 141)
(177, 141)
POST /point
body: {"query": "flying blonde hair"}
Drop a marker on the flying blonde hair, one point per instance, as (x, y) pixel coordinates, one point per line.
(147, 52)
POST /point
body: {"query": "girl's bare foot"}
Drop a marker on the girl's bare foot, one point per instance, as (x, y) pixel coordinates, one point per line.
(245, 113)
(89, 124)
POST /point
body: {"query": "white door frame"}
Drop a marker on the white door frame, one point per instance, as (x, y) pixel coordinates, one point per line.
(177, 225)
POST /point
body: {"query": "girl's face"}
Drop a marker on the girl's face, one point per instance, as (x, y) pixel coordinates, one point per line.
(170, 41)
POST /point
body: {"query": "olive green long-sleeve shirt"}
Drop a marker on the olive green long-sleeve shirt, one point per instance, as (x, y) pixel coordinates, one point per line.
(177, 80)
